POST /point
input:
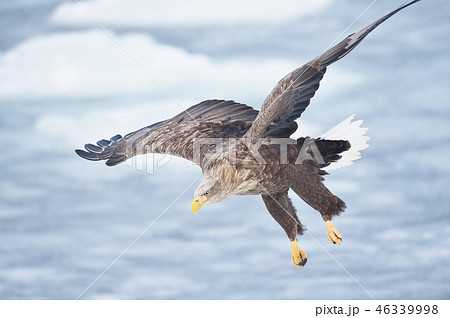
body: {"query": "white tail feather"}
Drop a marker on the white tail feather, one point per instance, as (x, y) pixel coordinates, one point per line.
(351, 131)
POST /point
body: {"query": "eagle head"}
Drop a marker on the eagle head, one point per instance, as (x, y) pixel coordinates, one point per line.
(209, 191)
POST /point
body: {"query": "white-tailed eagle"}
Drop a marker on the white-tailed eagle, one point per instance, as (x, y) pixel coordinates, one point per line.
(256, 155)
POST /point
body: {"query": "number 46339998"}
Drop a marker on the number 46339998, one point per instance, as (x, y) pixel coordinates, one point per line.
(407, 309)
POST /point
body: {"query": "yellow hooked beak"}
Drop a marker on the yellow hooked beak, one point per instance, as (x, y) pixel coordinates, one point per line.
(197, 204)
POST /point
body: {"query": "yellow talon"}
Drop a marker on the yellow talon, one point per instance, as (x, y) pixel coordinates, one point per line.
(333, 234)
(298, 256)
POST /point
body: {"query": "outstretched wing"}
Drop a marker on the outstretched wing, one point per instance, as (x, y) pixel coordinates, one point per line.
(175, 136)
(292, 94)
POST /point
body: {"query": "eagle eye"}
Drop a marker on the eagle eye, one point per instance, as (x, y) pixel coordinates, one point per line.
(206, 194)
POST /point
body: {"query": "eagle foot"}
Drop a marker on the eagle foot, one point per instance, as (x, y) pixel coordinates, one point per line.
(333, 234)
(298, 256)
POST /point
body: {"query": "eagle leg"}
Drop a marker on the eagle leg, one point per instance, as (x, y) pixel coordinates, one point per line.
(307, 183)
(282, 210)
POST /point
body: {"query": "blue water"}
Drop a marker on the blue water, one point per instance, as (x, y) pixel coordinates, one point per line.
(64, 220)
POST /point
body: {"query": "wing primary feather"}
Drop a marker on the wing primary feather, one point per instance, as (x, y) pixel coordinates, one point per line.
(115, 160)
(93, 148)
(115, 138)
(103, 143)
(87, 155)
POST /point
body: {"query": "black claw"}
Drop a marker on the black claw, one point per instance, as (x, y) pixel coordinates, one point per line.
(303, 262)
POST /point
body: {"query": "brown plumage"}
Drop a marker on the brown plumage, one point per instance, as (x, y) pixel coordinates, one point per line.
(245, 152)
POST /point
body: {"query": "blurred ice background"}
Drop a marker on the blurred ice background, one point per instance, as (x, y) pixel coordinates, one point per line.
(65, 82)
